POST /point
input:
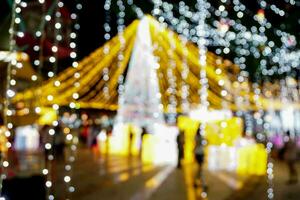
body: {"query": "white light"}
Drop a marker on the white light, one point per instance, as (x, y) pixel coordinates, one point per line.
(60, 4)
(36, 48)
(17, 20)
(8, 145)
(71, 189)
(55, 123)
(48, 18)
(221, 82)
(73, 55)
(45, 171)
(19, 65)
(73, 35)
(5, 164)
(10, 126)
(79, 6)
(218, 71)
(48, 146)
(42, 1)
(59, 37)
(75, 64)
(58, 25)
(9, 113)
(68, 167)
(51, 132)
(7, 133)
(55, 107)
(67, 179)
(18, 10)
(75, 95)
(77, 75)
(57, 83)
(72, 45)
(54, 49)
(20, 34)
(223, 93)
(52, 59)
(36, 62)
(73, 16)
(48, 184)
(240, 14)
(10, 93)
(72, 105)
(38, 34)
(50, 74)
(13, 82)
(223, 124)
(69, 137)
(221, 8)
(33, 77)
(50, 98)
(37, 110)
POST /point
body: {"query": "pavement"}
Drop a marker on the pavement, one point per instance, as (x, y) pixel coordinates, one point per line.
(104, 177)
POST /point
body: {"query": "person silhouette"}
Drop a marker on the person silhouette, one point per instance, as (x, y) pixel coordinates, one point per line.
(290, 156)
(180, 146)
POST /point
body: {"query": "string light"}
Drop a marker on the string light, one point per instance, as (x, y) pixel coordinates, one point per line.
(54, 60)
(6, 104)
(202, 11)
(120, 28)
(69, 137)
(106, 49)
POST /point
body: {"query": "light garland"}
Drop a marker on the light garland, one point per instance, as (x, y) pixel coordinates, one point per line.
(202, 42)
(70, 138)
(106, 50)
(54, 60)
(120, 28)
(9, 93)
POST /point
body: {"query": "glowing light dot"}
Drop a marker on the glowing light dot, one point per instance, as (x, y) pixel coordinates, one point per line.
(13, 82)
(17, 20)
(51, 132)
(55, 107)
(5, 164)
(75, 95)
(33, 77)
(67, 179)
(58, 25)
(45, 171)
(38, 34)
(48, 184)
(50, 74)
(48, 146)
(10, 93)
(37, 109)
(72, 105)
(48, 18)
(57, 83)
(50, 98)
(10, 125)
(54, 49)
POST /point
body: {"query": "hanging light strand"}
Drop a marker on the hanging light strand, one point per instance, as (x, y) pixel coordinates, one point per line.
(6, 110)
(106, 49)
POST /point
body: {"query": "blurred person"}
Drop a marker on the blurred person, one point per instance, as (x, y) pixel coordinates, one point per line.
(58, 142)
(199, 157)
(130, 141)
(180, 146)
(290, 156)
(144, 132)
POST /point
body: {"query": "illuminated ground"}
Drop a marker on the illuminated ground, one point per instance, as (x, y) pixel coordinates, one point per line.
(121, 178)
